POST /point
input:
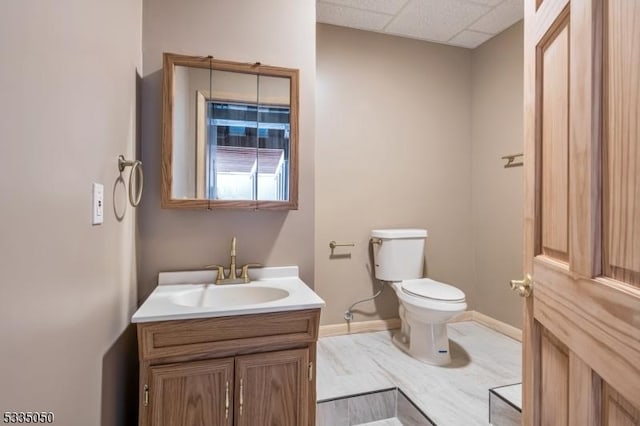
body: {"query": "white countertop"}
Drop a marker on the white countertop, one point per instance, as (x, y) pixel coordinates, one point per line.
(166, 301)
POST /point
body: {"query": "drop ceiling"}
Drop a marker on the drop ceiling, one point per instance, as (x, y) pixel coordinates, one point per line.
(464, 23)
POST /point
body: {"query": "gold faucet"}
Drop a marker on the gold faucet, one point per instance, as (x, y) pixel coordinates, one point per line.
(232, 266)
(233, 271)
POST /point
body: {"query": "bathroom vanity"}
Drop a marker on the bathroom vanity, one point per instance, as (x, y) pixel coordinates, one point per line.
(242, 354)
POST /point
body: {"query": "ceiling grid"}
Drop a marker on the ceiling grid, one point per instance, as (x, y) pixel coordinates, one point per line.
(463, 23)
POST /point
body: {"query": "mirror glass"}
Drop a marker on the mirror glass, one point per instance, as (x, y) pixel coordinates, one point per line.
(231, 136)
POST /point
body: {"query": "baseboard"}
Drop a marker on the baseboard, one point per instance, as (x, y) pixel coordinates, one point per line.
(375, 325)
(394, 323)
(359, 327)
(464, 316)
(499, 326)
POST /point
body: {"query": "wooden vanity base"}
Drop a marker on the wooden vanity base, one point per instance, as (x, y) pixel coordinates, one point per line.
(240, 370)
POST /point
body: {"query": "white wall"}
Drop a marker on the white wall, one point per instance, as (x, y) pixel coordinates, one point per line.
(67, 290)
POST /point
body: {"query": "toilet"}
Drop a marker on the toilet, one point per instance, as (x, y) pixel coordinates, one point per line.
(425, 305)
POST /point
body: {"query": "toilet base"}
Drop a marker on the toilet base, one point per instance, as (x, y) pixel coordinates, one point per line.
(426, 342)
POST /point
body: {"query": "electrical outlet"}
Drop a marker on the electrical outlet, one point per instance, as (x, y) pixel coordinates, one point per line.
(98, 204)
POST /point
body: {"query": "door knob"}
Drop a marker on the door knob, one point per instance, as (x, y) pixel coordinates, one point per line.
(522, 287)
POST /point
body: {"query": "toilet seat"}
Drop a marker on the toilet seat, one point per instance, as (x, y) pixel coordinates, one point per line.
(426, 288)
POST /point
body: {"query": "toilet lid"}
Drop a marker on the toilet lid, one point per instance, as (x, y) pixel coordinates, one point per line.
(430, 289)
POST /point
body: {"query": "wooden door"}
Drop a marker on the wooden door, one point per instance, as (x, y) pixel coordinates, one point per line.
(272, 389)
(581, 362)
(198, 393)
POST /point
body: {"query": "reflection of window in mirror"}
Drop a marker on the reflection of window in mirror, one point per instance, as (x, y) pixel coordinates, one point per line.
(236, 169)
(245, 152)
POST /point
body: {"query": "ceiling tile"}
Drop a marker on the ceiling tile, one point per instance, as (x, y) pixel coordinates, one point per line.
(470, 39)
(390, 7)
(349, 17)
(500, 18)
(436, 20)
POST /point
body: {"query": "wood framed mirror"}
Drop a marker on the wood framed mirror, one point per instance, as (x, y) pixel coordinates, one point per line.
(230, 134)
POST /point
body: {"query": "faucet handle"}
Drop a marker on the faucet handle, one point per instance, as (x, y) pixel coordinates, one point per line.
(220, 268)
(245, 270)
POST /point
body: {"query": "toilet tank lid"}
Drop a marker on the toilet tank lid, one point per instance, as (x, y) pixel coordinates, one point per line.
(399, 233)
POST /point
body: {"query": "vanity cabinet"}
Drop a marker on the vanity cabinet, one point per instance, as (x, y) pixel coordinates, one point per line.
(191, 393)
(247, 370)
(273, 388)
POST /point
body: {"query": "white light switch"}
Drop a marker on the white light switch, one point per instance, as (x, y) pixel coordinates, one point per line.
(98, 204)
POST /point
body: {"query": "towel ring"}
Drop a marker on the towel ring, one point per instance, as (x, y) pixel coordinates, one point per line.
(136, 168)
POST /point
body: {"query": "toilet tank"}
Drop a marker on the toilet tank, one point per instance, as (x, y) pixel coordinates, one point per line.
(399, 255)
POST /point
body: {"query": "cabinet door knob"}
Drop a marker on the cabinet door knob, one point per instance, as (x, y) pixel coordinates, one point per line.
(146, 395)
(226, 401)
(241, 395)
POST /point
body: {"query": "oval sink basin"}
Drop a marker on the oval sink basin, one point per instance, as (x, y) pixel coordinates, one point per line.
(190, 294)
(228, 296)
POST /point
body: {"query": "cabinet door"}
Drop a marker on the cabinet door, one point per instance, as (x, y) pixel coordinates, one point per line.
(272, 389)
(192, 393)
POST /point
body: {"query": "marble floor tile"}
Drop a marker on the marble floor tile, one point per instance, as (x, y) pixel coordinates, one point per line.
(330, 386)
(372, 407)
(333, 413)
(386, 422)
(409, 414)
(512, 393)
(452, 395)
(502, 413)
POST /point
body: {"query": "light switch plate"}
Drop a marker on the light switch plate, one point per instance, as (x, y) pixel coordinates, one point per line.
(98, 204)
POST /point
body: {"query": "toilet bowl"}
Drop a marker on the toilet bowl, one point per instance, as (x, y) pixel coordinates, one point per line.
(425, 305)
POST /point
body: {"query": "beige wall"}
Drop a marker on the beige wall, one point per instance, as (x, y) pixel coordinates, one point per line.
(68, 289)
(277, 32)
(497, 87)
(393, 150)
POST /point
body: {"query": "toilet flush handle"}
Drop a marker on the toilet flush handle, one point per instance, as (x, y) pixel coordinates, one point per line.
(522, 287)
(375, 240)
